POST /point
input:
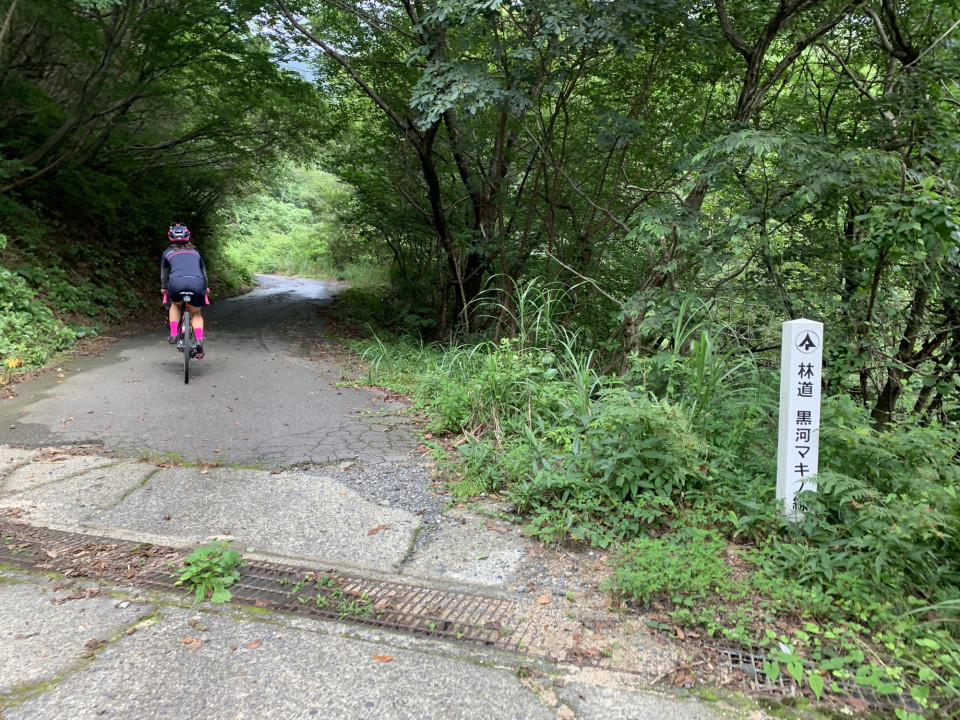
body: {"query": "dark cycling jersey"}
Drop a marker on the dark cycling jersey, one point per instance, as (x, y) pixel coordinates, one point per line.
(182, 271)
(180, 262)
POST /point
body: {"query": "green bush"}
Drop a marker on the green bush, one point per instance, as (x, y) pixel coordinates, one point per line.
(29, 332)
(686, 566)
(887, 504)
(631, 460)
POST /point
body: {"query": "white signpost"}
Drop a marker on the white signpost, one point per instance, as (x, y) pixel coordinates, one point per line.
(801, 364)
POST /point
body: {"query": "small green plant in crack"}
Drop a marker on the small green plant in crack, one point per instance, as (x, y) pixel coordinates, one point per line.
(327, 581)
(297, 588)
(211, 569)
(354, 608)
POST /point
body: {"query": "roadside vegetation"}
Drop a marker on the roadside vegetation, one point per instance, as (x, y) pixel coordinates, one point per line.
(582, 225)
(301, 224)
(671, 464)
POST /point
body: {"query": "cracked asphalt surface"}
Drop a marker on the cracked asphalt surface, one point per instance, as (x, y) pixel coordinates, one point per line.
(254, 400)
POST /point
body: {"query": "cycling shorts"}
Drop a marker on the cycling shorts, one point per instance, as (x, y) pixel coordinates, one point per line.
(194, 285)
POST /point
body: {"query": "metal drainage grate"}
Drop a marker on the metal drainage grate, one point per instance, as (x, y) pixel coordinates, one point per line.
(750, 667)
(754, 677)
(429, 612)
(394, 606)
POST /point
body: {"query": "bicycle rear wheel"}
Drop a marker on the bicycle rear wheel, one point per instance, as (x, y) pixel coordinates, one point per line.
(187, 331)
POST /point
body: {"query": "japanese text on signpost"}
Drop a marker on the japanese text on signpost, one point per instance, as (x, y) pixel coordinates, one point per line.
(799, 433)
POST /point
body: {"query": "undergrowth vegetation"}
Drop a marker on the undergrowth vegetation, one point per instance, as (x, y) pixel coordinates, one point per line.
(672, 464)
(44, 308)
(299, 224)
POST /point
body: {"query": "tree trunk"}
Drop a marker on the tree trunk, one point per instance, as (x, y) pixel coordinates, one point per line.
(906, 355)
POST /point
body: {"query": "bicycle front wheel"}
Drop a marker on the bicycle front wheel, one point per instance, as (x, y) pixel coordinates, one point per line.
(187, 349)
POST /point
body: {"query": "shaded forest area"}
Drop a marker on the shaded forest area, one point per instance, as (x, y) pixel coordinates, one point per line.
(117, 118)
(772, 161)
(603, 212)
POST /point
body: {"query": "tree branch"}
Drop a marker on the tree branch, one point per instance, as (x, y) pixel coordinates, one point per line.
(734, 39)
(375, 23)
(857, 83)
(6, 24)
(803, 44)
(878, 23)
(599, 289)
(397, 120)
(934, 44)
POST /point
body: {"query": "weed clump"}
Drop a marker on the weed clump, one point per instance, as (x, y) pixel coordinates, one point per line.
(210, 570)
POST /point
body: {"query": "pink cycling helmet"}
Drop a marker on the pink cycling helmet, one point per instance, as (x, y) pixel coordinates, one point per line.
(178, 232)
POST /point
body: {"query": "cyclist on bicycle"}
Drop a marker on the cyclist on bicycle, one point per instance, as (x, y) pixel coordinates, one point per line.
(182, 271)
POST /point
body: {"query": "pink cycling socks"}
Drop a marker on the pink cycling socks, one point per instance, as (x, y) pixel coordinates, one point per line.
(173, 327)
(199, 333)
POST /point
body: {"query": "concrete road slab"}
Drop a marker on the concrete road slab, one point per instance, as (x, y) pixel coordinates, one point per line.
(11, 457)
(43, 634)
(288, 513)
(50, 468)
(468, 547)
(65, 503)
(244, 670)
(593, 701)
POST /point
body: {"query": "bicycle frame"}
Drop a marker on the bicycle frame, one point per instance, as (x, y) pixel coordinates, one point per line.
(185, 338)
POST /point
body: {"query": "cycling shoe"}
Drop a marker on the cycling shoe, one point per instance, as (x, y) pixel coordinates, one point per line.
(198, 351)
(172, 339)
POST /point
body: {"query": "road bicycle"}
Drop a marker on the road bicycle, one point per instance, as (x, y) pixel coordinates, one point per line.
(186, 340)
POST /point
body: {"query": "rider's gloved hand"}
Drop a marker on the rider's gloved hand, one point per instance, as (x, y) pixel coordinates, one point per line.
(206, 297)
(165, 298)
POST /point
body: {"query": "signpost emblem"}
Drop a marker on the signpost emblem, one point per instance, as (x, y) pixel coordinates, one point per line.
(808, 342)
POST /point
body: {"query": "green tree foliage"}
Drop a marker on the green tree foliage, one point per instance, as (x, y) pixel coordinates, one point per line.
(302, 225)
(132, 87)
(802, 156)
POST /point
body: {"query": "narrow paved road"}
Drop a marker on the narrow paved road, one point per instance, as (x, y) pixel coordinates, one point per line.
(254, 400)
